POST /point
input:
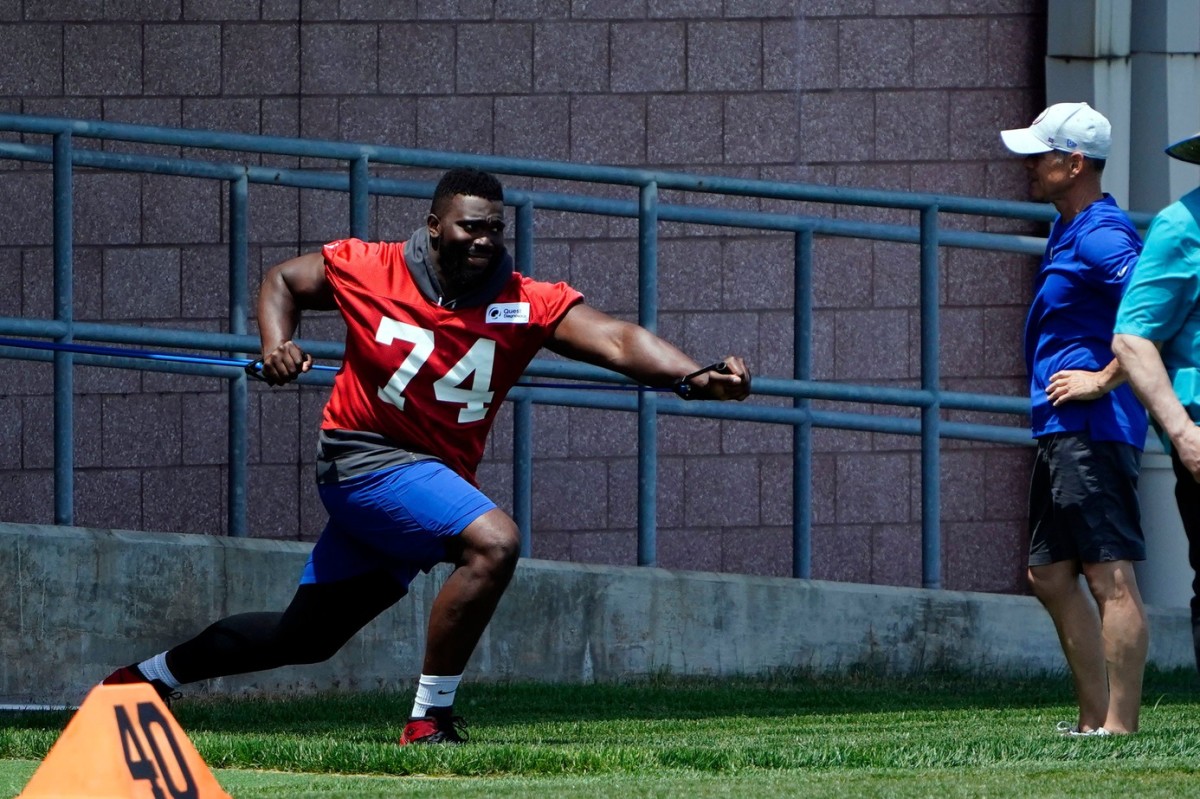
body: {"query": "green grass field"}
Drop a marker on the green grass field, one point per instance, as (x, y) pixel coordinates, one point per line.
(934, 736)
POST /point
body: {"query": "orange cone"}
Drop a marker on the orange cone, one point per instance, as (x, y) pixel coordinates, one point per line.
(123, 743)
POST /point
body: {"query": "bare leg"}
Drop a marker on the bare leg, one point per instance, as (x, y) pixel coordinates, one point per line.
(1075, 618)
(485, 554)
(1126, 639)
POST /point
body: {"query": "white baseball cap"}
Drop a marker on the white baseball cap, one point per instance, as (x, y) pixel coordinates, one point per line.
(1067, 127)
(1186, 150)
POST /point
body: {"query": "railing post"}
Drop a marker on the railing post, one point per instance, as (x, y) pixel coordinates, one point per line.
(238, 475)
(802, 433)
(360, 198)
(523, 408)
(64, 311)
(648, 400)
(931, 533)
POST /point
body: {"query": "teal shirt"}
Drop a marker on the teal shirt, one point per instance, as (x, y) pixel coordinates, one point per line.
(1162, 302)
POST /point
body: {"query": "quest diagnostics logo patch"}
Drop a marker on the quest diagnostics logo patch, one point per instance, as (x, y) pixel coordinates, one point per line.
(507, 313)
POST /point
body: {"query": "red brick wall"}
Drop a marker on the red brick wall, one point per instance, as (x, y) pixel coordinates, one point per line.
(898, 95)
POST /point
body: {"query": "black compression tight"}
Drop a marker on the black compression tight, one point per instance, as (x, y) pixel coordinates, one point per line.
(1187, 496)
(317, 623)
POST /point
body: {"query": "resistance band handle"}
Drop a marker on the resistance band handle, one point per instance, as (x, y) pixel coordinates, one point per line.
(254, 368)
(683, 386)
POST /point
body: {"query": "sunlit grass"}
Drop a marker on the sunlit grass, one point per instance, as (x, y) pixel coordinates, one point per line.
(937, 735)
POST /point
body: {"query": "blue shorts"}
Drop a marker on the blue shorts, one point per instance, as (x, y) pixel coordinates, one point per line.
(395, 520)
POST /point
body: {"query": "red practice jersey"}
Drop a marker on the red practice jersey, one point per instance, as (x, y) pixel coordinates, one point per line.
(429, 378)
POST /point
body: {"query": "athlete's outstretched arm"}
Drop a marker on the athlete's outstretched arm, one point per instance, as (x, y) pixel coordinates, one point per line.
(288, 288)
(588, 335)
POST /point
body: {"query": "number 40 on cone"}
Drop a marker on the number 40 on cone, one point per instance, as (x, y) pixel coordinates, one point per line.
(123, 742)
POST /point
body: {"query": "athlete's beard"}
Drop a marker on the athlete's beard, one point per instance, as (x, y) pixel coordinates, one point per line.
(457, 273)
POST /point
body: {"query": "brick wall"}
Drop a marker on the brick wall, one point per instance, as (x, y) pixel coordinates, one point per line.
(880, 93)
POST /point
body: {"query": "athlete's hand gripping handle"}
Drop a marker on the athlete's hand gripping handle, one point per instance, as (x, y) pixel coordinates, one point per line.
(285, 363)
(728, 379)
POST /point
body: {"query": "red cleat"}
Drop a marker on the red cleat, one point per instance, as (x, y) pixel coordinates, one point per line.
(435, 728)
(129, 675)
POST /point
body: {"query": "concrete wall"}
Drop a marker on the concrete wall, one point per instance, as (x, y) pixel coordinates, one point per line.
(896, 94)
(81, 602)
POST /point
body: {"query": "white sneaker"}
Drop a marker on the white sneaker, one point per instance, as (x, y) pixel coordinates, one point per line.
(1068, 729)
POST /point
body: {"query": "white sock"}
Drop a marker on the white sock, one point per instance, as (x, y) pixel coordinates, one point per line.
(434, 692)
(156, 669)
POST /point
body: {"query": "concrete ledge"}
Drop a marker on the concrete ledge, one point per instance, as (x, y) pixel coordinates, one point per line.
(81, 602)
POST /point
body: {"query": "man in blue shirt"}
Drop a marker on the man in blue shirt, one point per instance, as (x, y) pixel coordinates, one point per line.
(1090, 430)
(1158, 344)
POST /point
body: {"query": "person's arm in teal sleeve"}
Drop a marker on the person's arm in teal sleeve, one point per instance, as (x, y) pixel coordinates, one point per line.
(1142, 362)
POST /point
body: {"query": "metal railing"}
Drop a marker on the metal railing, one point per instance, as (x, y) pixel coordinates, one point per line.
(355, 179)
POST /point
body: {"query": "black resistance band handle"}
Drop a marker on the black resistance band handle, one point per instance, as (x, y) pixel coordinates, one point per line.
(683, 386)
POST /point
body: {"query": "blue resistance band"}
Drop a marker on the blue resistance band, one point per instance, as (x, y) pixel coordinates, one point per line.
(682, 386)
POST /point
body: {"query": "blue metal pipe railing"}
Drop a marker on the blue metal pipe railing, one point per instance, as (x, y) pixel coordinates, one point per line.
(560, 170)
(931, 456)
(802, 334)
(583, 398)
(565, 370)
(238, 474)
(647, 209)
(360, 198)
(647, 403)
(64, 314)
(523, 408)
(564, 393)
(326, 181)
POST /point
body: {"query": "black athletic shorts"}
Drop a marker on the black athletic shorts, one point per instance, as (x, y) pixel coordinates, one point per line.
(1083, 502)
